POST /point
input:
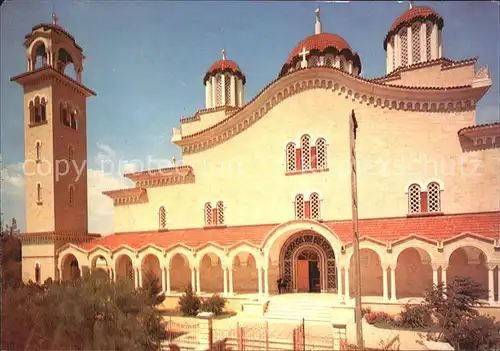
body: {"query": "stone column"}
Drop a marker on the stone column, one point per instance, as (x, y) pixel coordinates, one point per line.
(393, 283)
(214, 88)
(163, 280)
(198, 288)
(409, 45)
(390, 53)
(140, 277)
(193, 281)
(168, 279)
(231, 281)
(498, 284)
(206, 331)
(440, 44)
(443, 275)
(136, 278)
(384, 282)
(233, 90)
(491, 286)
(339, 281)
(347, 294)
(397, 51)
(266, 282)
(110, 274)
(435, 274)
(259, 272)
(224, 270)
(434, 42)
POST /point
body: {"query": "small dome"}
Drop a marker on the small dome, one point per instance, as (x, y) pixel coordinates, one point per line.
(224, 66)
(320, 42)
(406, 19)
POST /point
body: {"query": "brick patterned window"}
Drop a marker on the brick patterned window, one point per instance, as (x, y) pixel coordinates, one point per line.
(328, 61)
(300, 211)
(305, 146)
(227, 88)
(403, 35)
(37, 273)
(315, 206)
(208, 214)
(71, 153)
(428, 40)
(414, 199)
(433, 197)
(291, 160)
(71, 194)
(162, 218)
(220, 213)
(415, 42)
(320, 153)
(218, 90)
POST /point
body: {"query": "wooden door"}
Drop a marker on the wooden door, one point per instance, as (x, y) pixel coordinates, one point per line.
(302, 275)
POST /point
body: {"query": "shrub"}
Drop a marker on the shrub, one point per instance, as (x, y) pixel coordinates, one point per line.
(479, 333)
(379, 317)
(415, 317)
(365, 311)
(214, 304)
(189, 303)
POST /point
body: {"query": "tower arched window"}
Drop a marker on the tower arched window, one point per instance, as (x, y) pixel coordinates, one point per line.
(300, 211)
(393, 58)
(428, 40)
(314, 61)
(415, 42)
(73, 121)
(38, 110)
(328, 61)
(320, 153)
(31, 108)
(414, 197)
(208, 214)
(220, 220)
(314, 204)
(64, 116)
(403, 35)
(218, 90)
(71, 153)
(71, 194)
(38, 274)
(162, 217)
(38, 151)
(305, 146)
(39, 193)
(291, 159)
(341, 64)
(227, 88)
(433, 197)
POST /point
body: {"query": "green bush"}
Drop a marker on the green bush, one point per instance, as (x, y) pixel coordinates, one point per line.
(189, 303)
(415, 317)
(479, 333)
(214, 304)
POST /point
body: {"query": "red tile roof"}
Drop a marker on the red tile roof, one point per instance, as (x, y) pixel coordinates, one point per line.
(319, 42)
(225, 65)
(480, 127)
(436, 228)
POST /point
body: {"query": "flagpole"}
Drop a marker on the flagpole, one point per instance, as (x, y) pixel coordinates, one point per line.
(353, 126)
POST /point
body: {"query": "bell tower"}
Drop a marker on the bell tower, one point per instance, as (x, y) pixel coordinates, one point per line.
(55, 125)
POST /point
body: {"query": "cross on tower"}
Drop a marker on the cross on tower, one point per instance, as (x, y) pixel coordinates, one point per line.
(303, 54)
(223, 54)
(54, 18)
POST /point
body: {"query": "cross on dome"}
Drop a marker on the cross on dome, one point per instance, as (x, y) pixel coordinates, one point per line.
(303, 54)
(224, 54)
(54, 18)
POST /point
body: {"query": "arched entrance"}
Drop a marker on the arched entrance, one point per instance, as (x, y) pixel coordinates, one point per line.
(307, 263)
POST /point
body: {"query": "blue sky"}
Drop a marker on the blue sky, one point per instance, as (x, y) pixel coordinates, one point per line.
(146, 61)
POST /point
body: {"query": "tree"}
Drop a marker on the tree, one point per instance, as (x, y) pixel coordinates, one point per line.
(11, 254)
(84, 314)
(459, 321)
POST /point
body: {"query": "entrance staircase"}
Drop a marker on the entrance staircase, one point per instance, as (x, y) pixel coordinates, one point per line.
(295, 307)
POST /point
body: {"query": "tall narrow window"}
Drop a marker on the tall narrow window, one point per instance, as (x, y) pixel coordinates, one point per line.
(328, 61)
(227, 88)
(403, 34)
(305, 145)
(220, 213)
(341, 64)
(71, 153)
(218, 90)
(162, 214)
(393, 58)
(415, 42)
(414, 199)
(64, 116)
(321, 153)
(428, 41)
(37, 273)
(208, 214)
(39, 193)
(31, 108)
(433, 197)
(38, 151)
(73, 121)
(315, 206)
(291, 161)
(43, 110)
(300, 211)
(71, 194)
(38, 110)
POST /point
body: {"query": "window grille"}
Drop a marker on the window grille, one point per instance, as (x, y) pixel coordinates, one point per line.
(315, 206)
(328, 61)
(227, 86)
(434, 197)
(162, 217)
(403, 34)
(321, 153)
(291, 162)
(208, 214)
(428, 35)
(415, 40)
(393, 53)
(305, 145)
(218, 90)
(220, 213)
(299, 207)
(414, 199)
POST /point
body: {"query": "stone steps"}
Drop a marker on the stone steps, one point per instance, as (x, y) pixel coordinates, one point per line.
(319, 311)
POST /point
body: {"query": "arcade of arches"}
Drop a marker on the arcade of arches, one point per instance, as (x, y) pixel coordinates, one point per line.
(306, 261)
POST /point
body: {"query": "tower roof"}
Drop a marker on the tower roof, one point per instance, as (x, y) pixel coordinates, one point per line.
(224, 65)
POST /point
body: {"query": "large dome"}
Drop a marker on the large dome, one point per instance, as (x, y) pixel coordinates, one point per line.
(319, 43)
(406, 19)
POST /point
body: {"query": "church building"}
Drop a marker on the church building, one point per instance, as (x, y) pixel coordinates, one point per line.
(263, 191)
